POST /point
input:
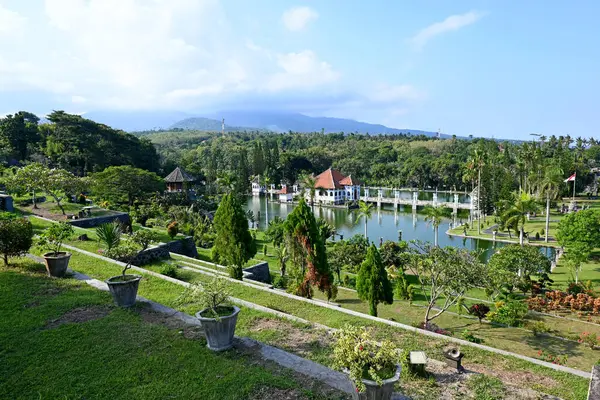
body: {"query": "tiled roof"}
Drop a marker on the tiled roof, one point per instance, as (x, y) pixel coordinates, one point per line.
(329, 179)
(350, 181)
(284, 190)
(179, 175)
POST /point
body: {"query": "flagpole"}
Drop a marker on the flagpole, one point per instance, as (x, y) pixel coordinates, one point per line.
(574, 179)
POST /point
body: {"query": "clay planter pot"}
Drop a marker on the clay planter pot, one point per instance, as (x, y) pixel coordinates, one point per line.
(219, 333)
(376, 392)
(57, 263)
(124, 291)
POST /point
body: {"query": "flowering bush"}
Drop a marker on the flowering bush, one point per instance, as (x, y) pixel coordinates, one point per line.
(479, 310)
(553, 358)
(590, 339)
(509, 313)
(357, 352)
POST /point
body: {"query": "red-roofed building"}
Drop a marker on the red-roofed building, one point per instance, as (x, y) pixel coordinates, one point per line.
(285, 194)
(332, 187)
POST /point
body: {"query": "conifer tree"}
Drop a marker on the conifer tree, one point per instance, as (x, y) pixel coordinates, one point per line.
(372, 283)
(234, 245)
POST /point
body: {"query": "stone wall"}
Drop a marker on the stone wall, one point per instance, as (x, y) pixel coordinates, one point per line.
(259, 272)
(185, 246)
(92, 222)
(594, 391)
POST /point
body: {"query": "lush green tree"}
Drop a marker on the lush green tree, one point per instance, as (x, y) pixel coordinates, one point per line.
(445, 273)
(125, 184)
(234, 245)
(275, 232)
(55, 182)
(577, 254)
(372, 283)
(509, 265)
(393, 254)
(581, 228)
(523, 205)
(365, 210)
(19, 132)
(16, 237)
(549, 188)
(435, 216)
(325, 228)
(309, 183)
(307, 253)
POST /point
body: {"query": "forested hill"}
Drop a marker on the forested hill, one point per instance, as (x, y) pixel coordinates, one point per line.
(71, 142)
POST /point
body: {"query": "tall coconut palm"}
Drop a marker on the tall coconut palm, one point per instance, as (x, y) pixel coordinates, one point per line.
(517, 214)
(309, 182)
(365, 210)
(478, 162)
(266, 182)
(435, 216)
(550, 187)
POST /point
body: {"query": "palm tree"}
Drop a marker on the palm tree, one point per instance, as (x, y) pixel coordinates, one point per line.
(550, 187)
(266, 182)
(478, 161)
(517, 214)
(365, 210)
(434, 215)
(309, 182)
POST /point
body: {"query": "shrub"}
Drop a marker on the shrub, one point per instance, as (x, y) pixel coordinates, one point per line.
(280, 282)
(170, 270)
(542, 231)
(537, 236)
(265, 249)
(575, 288)
(539, 327)
(479, 310)
(109, 234)
(152, 222)
(16, 237)
(590, 339)
(54, 236)
(81, 199)
(468, 336)
(553, 358)
(173, 229)
(364, 358)
(509, 313)
(404, 290)
(212, 296)
(349, 282)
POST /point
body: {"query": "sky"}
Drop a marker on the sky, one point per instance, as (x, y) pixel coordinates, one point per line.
(502, 69)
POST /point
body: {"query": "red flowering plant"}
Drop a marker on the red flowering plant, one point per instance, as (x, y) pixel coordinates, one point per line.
(357, 353)
(553, 358)
(590, 339)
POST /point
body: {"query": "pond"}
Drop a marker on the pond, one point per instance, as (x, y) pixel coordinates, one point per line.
(384, 224)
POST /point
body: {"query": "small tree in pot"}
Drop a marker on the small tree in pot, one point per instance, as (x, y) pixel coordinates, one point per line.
(52, 239)
(124, 287)
(218, 317)
(373, 367)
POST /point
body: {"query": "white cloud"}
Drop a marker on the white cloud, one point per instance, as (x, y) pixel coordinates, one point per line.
(297, 18)
(301, 70)
(390, 94)
(10, 21)
(452, 23)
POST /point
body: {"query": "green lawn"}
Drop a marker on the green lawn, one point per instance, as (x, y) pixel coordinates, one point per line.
(60, 338)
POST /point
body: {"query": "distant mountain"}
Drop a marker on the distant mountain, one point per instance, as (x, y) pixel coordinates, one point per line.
(284, 122)
(206, 124)
(137, 120)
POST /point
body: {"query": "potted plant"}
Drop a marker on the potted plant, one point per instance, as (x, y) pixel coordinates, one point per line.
(52, 239)
(124, 287)
(218, 317)
(373, 367)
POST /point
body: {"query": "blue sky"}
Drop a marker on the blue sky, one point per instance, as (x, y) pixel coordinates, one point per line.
(488, 68)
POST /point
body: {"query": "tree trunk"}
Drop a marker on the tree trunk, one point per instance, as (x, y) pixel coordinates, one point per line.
(34, 202)
(366, 237)
(547, 218)
(373, 308)
(5, 259)
(435, 237)
(521, 234)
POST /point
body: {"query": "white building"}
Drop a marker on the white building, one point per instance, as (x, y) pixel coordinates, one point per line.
(332, 187)
(257, 188)
(285, 195)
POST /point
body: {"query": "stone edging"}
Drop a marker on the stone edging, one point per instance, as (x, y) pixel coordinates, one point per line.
(556, 367)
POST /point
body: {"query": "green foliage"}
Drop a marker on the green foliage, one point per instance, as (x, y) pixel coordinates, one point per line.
(234, 245)
(364, 211)
(213, 296)
(170, 270)
(539, 327)
(479, 310)
(16, 237)
(307, 252)
(173, 229)
(468, 336)
(280, 282)
(54, 236)
(275, 232)
(403, 289)
(265, 250)
(364, 358)
(131, 246)
(582, 228)
(509, 312)
(504, 266)
(125, 184)
(109, 234)
(516, 215)
(325, 228)
(372, 283)
(393, 254)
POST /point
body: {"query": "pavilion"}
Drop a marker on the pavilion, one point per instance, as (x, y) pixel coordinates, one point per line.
(178, 180)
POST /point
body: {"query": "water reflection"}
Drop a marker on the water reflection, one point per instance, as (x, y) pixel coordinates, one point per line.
(384, 224)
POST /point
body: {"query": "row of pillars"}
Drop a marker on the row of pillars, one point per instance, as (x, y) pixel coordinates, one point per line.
(415, 199)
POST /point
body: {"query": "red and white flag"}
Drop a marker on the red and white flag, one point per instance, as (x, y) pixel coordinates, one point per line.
(571, 178)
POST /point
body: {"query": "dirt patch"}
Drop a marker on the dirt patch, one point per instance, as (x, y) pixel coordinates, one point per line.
(79, 315)
(515, 378)
(45, 291)
(295, 340)
(188, 331)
